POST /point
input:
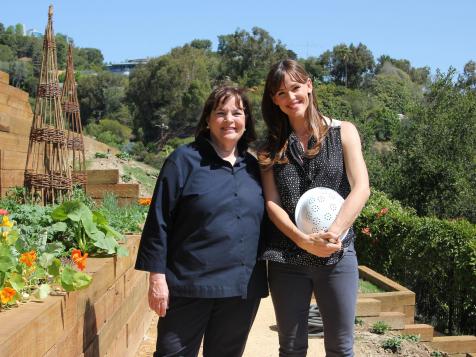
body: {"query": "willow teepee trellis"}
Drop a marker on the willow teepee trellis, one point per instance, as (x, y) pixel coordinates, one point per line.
(70, 105)
(47, 173)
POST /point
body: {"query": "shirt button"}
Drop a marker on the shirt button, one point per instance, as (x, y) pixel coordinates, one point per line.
(236, 194)
(238, 217)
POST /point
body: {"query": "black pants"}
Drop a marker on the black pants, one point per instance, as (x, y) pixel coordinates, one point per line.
(335, 288)
(223, 323)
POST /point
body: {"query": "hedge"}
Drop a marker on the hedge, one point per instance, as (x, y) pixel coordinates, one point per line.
(435, 258)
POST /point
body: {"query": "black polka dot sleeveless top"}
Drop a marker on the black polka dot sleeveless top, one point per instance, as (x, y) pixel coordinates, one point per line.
(297, 176)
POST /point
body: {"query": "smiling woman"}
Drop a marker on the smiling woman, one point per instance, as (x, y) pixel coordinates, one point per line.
(201, 237)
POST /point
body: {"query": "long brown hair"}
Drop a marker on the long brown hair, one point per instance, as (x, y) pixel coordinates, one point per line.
(279, 128)
(220, 95)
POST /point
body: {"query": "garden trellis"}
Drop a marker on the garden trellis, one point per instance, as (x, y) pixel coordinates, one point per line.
(70, 105)
(47, 172)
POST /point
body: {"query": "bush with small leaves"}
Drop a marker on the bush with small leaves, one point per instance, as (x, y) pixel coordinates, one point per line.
(380, 327)
(393, 344)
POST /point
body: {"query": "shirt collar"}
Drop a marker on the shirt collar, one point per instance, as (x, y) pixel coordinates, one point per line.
(204, 142)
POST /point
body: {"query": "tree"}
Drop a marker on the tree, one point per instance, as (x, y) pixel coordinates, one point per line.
(100, 95)
(468, 78)
(434, 167)
(6, 54)
(19, 30)
(167, 93)
(394, 89)
(419, 75)
(348, 65)
(246, 57)
(202, 44)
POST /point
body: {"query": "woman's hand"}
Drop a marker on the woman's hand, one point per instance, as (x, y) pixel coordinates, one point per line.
(158, 293)
(321, 244)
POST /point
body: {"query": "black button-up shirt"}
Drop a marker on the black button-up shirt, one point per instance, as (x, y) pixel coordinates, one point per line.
(203, 226)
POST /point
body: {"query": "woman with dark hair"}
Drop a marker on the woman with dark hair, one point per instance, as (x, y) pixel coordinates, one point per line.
(201, 237)
(304, 150)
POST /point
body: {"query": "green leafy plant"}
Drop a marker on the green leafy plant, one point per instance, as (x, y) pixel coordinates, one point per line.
(124, 155)
(29, 273)
(126, 178)
(380, 328)
(393, 344)
(411, 338)
(358, 321)
(91, 230)
(101, 155)
(125, 219)
(436, 354)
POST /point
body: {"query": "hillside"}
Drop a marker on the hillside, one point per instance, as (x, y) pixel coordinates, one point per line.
(130, 171)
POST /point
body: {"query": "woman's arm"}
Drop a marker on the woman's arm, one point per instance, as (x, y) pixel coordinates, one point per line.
(314, 243)
(357, 175)
(152, 253)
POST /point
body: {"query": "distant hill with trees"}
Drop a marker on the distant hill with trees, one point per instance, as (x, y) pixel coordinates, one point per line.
(418, 130)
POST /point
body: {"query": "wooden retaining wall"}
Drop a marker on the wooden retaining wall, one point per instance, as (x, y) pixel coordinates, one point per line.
(15, 123)
(109, 318)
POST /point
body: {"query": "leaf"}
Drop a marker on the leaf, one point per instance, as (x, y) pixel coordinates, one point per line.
(122, 251)
(46, 259)
(55, 248)
(99, 218)
(72, 280)
(59, 227)
(7, 261)
(54, 268)
(16, 281)
(107, 243)
(43, 291)
(12, 237)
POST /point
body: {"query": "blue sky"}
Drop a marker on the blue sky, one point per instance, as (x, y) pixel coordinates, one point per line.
(436, 33)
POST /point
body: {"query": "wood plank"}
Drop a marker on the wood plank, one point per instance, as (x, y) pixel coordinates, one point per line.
(424, 331)
(4, 77)
(393, 300)
(13, 141)
(96, 177)
(380, 280)
(13, 91)
(454, 344)
(129, 190)
(14, 160)
(12, 178)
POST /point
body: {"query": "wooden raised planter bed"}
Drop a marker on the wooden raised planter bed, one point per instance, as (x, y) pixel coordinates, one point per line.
(109, 317)
(396, 307)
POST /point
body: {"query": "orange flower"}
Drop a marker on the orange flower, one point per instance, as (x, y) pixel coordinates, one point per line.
(144, 201)
(28, 258)
(382, 212)
(3, 212)
(366, 231)
(7, 295)
(79, 259)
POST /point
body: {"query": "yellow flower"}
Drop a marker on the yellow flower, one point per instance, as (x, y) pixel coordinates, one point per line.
(7, 295)
(5, 235)
(6, 222)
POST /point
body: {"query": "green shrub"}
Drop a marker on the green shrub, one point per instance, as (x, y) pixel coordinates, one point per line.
(126, 219)
(100, 155)
(433, 257)
(393, 344)
(110, 132)
(380, 328)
